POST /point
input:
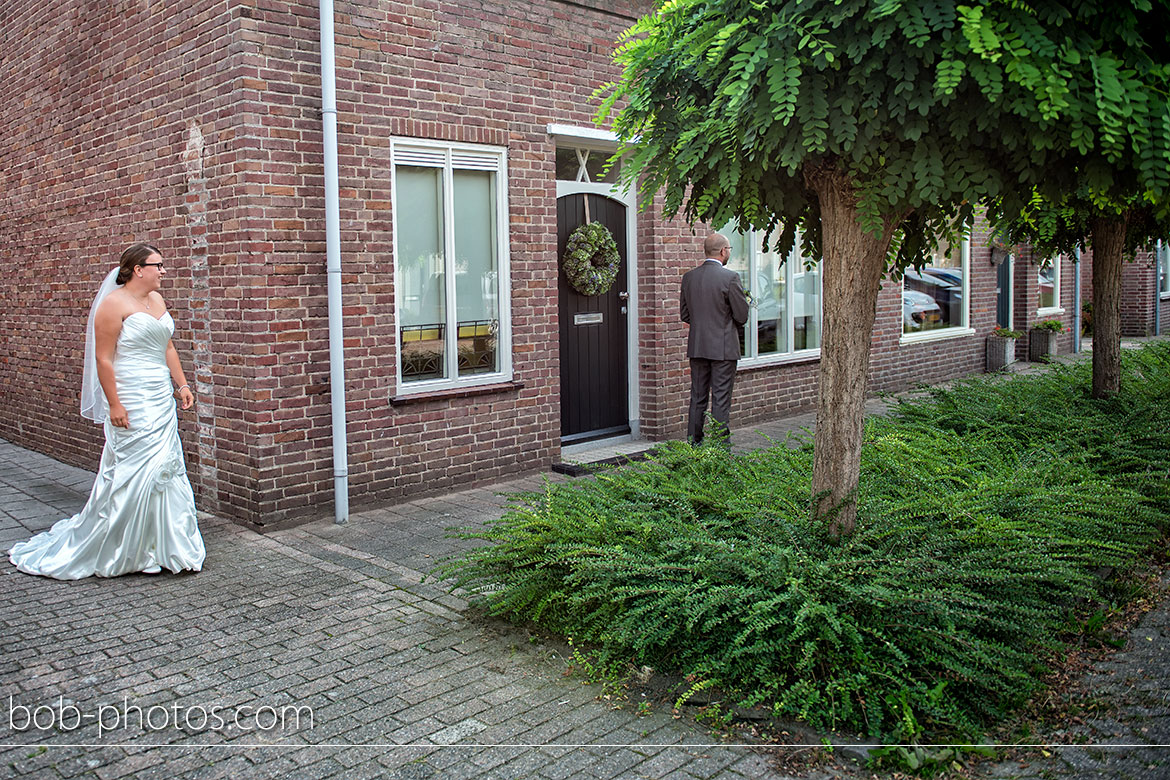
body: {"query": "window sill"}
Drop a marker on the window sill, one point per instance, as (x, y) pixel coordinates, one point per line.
(795, 358)
(935, 335)
(454, 392)
(1051, 311)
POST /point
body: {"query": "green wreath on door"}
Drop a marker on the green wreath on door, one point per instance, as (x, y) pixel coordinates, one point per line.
(591, 260)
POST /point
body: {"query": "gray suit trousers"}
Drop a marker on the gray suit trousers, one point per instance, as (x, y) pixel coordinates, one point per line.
(714, 377)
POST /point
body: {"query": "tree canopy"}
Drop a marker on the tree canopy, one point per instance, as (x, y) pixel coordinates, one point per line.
(871, 128)
(929, 107)
(1111, 190)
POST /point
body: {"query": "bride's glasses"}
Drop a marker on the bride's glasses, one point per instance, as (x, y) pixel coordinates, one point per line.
(157, 265)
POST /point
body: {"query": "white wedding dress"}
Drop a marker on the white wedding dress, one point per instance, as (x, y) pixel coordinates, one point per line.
(140, 516)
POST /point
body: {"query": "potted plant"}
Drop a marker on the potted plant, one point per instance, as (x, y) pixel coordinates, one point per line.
(1001, 348)
(1001, 249)
(1043, 340)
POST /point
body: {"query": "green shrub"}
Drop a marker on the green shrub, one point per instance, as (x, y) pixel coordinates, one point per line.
(1053, 325)
(985, 516)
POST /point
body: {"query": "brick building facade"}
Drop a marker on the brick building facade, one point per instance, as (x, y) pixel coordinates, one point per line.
(1145, 295)
(196, 125)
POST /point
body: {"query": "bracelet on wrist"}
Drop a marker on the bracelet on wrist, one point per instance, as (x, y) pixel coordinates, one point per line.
(181, 389)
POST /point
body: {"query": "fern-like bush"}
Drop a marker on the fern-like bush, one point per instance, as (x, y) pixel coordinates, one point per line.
(986, 514)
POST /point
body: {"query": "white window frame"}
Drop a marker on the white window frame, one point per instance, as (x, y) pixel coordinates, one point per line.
(1056, 308)
(941, 334)
(449, 157)
(1162, 272)
(751, 327)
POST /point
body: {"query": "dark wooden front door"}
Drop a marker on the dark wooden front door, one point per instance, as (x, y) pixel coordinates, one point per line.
(1003, 283)
(594, 381)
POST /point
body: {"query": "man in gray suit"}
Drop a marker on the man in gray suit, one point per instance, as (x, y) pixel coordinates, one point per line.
(713, 302)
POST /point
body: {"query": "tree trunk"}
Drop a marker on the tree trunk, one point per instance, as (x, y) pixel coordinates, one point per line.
(852, 268)
(1108, 234)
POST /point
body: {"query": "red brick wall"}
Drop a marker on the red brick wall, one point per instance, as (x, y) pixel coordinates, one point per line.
(124, 121)
(197, 125)
(764, 392)
(1139, 278)
(666, 250)
(493, 73)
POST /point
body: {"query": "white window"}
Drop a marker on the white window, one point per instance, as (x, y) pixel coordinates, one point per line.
(1164, 270)
(784, 319)
(450, 264)
(1048, 287)
(935, 297)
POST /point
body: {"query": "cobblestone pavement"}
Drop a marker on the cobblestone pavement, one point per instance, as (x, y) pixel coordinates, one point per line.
(200, 675)
(184, 676)
(1127, 734)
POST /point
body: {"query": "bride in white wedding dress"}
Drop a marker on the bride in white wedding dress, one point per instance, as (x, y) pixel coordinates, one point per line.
(140, 516)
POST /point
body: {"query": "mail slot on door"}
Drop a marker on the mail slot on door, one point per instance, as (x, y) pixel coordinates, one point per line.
(592, 318)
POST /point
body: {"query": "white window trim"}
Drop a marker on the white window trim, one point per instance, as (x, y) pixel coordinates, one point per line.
(780, 358)
(606, 139)
(751, 334)
(1012, 262)
(1163, 260)
(503, 273)
(942, 334)
(1052, 311)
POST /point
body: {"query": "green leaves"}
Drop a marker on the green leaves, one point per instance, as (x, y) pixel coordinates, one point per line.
(948, 76)
(980, 32)
(784, 87)
(1111, 105)
(985, 512)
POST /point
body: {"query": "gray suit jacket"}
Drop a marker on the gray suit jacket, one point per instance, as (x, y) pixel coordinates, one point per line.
(713, 303)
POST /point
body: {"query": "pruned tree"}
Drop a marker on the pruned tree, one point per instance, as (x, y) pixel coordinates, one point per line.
(1112, 191)
(872, 127)
(1116, 228)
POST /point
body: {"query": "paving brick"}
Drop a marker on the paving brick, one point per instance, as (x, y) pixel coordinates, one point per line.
(279, 620)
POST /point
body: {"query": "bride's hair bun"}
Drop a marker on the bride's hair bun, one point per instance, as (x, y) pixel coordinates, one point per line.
(132, 258)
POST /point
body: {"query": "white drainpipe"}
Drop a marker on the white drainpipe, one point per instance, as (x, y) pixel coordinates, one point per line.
(333, 264)
(1077, 302)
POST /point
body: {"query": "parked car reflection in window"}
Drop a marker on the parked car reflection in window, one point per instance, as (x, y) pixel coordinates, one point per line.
(919, 312)
(942, 285)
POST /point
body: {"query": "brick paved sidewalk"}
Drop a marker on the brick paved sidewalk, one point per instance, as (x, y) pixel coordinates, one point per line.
(400, 680)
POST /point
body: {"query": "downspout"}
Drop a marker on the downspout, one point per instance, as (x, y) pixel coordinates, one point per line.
(333, 266)
(1077, 304)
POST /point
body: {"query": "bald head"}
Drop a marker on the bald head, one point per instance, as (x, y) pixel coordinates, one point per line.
(714, 244)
